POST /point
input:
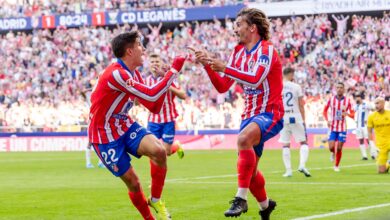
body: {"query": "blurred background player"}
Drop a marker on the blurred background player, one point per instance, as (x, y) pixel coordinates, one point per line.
(293, 123)
(379, 122)
(162, 124)
(86, 94)
(340, 107)
(362, 110)
(256, 65)
(115, 135)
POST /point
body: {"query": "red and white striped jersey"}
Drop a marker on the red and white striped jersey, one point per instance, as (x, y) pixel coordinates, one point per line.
(168, 111)
(339, 109)
(113, 97)
(260, 73)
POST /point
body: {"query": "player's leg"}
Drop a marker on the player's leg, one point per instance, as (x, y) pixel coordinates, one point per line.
(257, 188)
(373, 150)
(299, 132)
(339, 152)
(303, 156)
(331, 143)
(287, 160)
(168, 135)
(151, 147)
(88, 156)
(117, 161)
(285, 137)
(253, 133)
(136, 194)
(246, 163)
(383, 165)
(362, 146)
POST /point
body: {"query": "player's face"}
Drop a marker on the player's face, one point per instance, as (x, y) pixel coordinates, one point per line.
(137, 52)
(241, 28)
(291, 76)
(339, 90)
(379, 105)
(358, 99)
(155, 64)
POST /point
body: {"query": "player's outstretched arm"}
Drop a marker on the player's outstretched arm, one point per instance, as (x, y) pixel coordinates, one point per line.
(151, 97)
(253, 77)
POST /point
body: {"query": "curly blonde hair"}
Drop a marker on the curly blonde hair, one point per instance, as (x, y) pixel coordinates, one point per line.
(258, 18)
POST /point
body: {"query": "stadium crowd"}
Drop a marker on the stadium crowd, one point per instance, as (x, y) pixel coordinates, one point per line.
(44, 73)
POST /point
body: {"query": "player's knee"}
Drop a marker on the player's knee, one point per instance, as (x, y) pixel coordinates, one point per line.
(160, 155)
(244, 141)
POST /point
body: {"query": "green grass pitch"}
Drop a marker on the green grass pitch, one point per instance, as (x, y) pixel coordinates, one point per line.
(56, 185)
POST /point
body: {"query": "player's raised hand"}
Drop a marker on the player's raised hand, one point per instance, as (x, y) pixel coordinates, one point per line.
(178, 63)
(200, 55)
(217, 65)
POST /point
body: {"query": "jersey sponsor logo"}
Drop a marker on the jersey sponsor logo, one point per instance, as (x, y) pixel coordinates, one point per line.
(167, 136)
(120, 116)
(263, 60)
(251, 91)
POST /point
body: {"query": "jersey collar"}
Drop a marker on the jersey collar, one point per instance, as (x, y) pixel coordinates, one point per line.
(124, 66)
(254, 48)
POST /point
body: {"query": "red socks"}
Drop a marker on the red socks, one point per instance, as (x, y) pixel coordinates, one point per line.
(174, 148)
(158, 178)
(245, 165)
(257, 187)
(139, 201)
(338, 156)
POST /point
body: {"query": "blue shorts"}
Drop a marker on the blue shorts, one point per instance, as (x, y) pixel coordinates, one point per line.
(337, 136)
(115, 155)
(164, 131)
(269, 127)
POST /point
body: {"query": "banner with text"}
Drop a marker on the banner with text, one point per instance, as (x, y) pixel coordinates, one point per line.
(193, 141)
(119, 17)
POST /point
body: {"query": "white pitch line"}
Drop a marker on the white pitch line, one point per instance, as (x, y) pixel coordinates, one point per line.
(36, 159)
(289, 183)
(342, 212)
(200, 178)
(273, 172)
(326, 168)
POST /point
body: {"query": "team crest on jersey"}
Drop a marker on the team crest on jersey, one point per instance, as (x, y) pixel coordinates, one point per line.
(115, 168)
(251, 64)
(263, 60)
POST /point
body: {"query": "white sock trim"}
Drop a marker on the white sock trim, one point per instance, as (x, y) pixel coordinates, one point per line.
(287, 158)
(264, 204)
(303, 155)
(242, 193)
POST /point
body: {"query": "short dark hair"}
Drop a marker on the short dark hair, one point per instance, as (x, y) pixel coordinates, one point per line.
(154, 55)
(258, 18)
(123, 41)
(340, 83)
(288, 70)
(359, 94)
